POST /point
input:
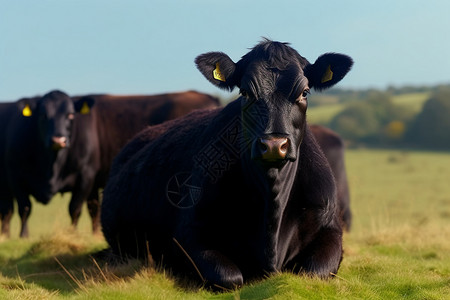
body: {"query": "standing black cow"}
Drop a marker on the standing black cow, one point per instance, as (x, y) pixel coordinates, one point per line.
(236, 192)
(332, 146)
(51, 149)
(36, 148)
(113, 121)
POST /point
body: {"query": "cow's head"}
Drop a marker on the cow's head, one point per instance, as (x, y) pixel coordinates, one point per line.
(274, 82)
(54, 113)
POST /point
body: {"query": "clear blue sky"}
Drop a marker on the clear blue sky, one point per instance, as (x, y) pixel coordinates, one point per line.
(149, 46)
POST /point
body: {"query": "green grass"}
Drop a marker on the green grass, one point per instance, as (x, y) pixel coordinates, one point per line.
(399, 246)
(323, 114)
(414, 101)
(52, 217)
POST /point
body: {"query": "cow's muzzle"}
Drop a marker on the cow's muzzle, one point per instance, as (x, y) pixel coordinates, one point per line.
(272, 148)
(59, 142)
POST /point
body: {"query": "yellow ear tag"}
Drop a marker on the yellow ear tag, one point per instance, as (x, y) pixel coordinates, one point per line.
(328, 75)
(26, 111)
(85, 109)
(218, 74)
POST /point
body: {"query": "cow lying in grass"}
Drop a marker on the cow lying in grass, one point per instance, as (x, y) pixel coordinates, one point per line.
(237, 192)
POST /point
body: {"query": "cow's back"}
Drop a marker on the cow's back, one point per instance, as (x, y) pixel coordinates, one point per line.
(146, 155)
(119, 118)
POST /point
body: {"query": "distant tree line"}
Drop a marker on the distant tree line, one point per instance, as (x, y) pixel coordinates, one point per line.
(372, 118)
(350, 95)
(431, 127)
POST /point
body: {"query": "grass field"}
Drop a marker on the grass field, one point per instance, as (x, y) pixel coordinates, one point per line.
(399, 246)
(323, 114)
(414, 101)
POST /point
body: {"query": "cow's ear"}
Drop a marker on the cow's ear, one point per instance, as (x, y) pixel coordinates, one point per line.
(328, 70)
(26, 107)
(84, 105)
(218, 68)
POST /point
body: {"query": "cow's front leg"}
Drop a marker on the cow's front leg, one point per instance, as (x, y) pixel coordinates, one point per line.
(24, 205)
(79, 196)
(217, 270)
(6, 212)
(322, 256)
(75, 206)
(93, 204)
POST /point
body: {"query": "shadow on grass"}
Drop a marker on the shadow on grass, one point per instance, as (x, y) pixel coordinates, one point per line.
(64, 273)
(66, 267)
(59, 263)
(72, 273)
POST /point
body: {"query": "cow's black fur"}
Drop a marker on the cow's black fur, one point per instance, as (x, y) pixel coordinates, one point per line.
(36, 167)
(114, 120)
(33, 161)
(6, 198)
(329, 141)
(200, 191)
(332, 146)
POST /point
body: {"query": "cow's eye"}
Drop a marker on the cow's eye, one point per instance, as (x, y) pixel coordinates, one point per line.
(305, 93)
(304, 96)
(244, 93)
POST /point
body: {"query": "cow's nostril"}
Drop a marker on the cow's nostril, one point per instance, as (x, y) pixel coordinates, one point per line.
(284, 146)
(263, 146)
(273, 148)
(59, 142)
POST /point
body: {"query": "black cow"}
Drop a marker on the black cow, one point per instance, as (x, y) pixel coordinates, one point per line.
(332, 146)
(50, 149)
(238, 192)
(113, 121)
(329, 141)
(36, 147)
(6, 111)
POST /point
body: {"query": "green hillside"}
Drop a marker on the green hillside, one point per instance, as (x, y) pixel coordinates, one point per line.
(327, 109)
